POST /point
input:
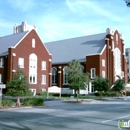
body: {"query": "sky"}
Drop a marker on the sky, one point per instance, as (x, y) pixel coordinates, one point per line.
(63, 19)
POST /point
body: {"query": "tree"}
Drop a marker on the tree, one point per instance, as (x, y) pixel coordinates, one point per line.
(76, 77)
(128, 80)
(119, 85)
(18, 86)
(101, 85)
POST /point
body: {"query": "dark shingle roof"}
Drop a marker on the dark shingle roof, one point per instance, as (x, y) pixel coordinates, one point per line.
(64, 51)
(10, 41)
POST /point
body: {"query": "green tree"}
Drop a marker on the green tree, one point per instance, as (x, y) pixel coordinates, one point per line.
(76, 77)
(101, 85)
(128, 80)
(119, 85)
(18, 86)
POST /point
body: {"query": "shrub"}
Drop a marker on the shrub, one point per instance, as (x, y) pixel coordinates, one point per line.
(107, 94)
(8, 103)
(44, 94)
(33, 102)
(127, 93)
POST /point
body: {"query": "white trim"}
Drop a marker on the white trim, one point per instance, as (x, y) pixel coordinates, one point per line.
(43, 81)
(59, 67)
(103, 49)
(106, 38)
(59, 71)
(13, 54)
(21, 39)
(13, 70)
(50, 60)
(50, 73)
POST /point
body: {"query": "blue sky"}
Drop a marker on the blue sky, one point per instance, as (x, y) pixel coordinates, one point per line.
(63, 19)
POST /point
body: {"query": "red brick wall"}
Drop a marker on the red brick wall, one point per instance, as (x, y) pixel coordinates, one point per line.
(23, 50)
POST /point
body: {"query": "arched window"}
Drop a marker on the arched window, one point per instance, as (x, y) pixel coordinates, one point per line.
(33, 68)
(65, 75)
(117, 55)
(82, 68)
(54, 76)
(33, 43)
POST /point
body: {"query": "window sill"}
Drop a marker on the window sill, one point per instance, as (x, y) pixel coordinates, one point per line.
(43, 69)
(66, 84)
(54, 84)
(43, 83)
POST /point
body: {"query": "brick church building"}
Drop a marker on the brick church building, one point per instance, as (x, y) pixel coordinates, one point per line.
(24, 49)
(100, 55)
(45, 65)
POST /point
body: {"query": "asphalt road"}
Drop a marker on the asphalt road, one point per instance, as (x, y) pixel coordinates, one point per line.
(57, 115)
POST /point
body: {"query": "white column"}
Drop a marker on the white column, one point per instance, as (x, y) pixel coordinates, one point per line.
(90, 87)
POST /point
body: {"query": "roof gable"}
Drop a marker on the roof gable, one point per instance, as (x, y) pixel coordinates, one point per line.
(76, 48)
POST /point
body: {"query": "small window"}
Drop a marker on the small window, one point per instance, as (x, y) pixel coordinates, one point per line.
(103, 74)
(103, 63)
(34, 91)
(82, 68)
(43, 79)
(43, 65)
(21, 62)
(93, 73)
(32, 79)
(33, 43)
(1, 62)
(116, 38)
(0, 78)
(65, 75)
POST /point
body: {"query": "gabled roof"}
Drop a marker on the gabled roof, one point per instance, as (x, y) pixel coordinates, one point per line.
(10, 41)
(64, 51)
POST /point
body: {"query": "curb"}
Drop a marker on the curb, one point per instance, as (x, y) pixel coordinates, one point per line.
(15, 108)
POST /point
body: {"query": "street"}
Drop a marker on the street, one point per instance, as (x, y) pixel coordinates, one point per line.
(58, 115)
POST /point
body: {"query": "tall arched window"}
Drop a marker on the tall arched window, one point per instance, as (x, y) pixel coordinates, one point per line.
(33, 68)
(117, 55)
(54, 76)
(82, 68)
(65, 75)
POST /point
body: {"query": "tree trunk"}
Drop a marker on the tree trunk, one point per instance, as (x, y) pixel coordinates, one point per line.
(77, 94)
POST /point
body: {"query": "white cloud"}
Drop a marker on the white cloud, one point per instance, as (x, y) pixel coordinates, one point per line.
(82, 6)
(22, 5)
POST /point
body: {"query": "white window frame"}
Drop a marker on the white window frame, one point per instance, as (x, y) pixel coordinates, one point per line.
(65, 75)
(32, 78)
(54, 75)
(117, 58)
(93, 73)
(43, 65)
(1, 78)
(33, 90)
(103, 74)
(33, 43)
(21, 62)
(103, 62)
(43, 80)
(1, 62)
(116, 38)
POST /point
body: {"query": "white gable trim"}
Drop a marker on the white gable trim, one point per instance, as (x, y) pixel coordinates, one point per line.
(103, 50)
(21, 39)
